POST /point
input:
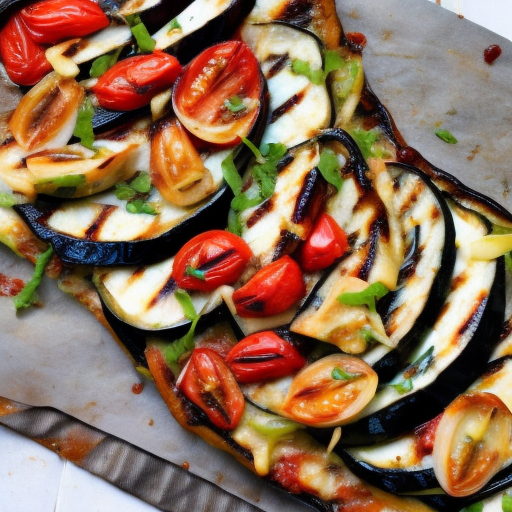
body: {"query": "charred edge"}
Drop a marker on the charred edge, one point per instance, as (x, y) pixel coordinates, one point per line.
(168, 288)
(286, 107)
(73, 49)
(476, 315)
(297, 12)
(215, 261)
(262, 358)
(288, 243)
(263, 209)
(280, 62)
(309, 199)
(378, 230)
(94, 228)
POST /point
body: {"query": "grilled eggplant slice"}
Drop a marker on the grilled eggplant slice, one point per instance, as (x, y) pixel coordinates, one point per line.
(451, 355)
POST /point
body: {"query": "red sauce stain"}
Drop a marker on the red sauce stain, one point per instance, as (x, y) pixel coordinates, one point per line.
(186, 465)
(151, 422)
(425, 436)
(137, 388)
(10, 286)
(357, 39)
(491, 53)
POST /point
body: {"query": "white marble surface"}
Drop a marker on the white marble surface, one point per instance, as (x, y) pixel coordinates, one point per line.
(33, 479)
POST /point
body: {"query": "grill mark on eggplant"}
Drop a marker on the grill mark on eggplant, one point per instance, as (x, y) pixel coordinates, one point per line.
(298, 12)
(93, 230)
(373, 241)
(168, 288)
(73, 49)
(280, 62)
(309, 198)
(475, 315)
(136, 274)
(257, 215)
(287, 244)
(287, 106)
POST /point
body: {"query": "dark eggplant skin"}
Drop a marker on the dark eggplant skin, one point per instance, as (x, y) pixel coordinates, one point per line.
(388, 366)
(426, 403)
(135, 252)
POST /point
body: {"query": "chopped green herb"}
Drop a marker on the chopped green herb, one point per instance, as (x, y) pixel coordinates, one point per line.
(367, 143)
(142, 183)
(83, 127)
(141, 206)
(421, 364)
(70, 180)
(508, 261)
(235, 104)
(502, 230)
(340, 374)
(102, 64)
(124, 191)
(144, 41)
(174, 24)
(231, 175)
(302, 67)
(365, 297)
(333, 61)
(403, 387)
(446, 136)
(260, 158)
(506, 503)
(329, 168)
(7, 200)
(273, 426)
(194, 272)
(28, 295)
(474, 507)
(186, 303)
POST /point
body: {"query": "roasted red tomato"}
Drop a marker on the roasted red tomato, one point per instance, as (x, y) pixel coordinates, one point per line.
(219, 96)
(472, 442)
(272, 290)
(326, 243)
(210, 260)
(207, 381)
(330, 391)
(51, 21)
(132, 82)
(263, 356)
(24, 60)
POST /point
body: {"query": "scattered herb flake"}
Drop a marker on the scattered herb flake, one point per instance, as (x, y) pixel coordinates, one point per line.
(83, 127)
(506, 503)
(302, 67)
(142, 183)
(235, 104)
(102, 64)
(403, 387)
(329, 168)
(339, 373)
(186, 303)
(366, 297)
(144, 40)
(367, 140)
(446, 136)
(332, 61)
(7, 200)
(176, 350)
(137, 193)
(174, 24)
(474, 507)
(28, 295)
(195, 272)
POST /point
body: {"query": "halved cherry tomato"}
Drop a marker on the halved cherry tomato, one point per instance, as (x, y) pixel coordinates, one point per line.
(425, 436)
(272, 290)
(473, 440)
(132, 82)
(24, 60)
(331, 391)
(326, 243)
(51, 21)
(263, 356)
(177, 169)
(218, 97)
(210, 260)
(207, 381)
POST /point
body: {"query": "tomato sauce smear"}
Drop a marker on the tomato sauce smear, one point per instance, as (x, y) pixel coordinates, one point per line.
(10, 286)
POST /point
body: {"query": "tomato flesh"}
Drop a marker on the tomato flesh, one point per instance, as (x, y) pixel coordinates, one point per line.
(272, 290)
(207, 381)
(263, 356)
(326, 243)
(24, 60)
(51, 21)
(209, 260)
(132, 82)
(218, 96)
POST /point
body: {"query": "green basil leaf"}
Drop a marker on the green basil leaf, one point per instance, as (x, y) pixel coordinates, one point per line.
(28, 295)
(176, 350)
(195, 272)
(446, 136)
(366, 141)
(83, 127)
(7, 200)
(142, 183)
(102, 64)
(333, 61)
(174, 24)
(403, 387)
(506, 503)
(329, 168)
(365, 297)
(255, 151)
(186, 303)
(231, 174)
(302, 67)
(339, 373)
(235, 104)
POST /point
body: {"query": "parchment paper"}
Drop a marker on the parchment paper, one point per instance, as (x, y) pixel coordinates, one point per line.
(427, 66)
